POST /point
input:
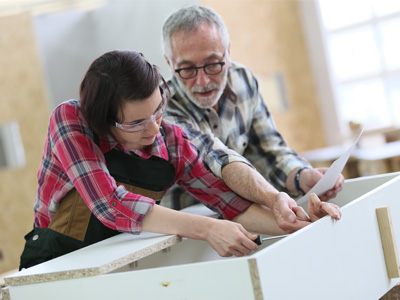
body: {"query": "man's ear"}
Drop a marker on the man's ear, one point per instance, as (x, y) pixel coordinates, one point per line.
(229, 55)
(168, 61)
(171, 67)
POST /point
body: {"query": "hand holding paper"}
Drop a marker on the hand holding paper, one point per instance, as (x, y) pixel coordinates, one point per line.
(331, 176)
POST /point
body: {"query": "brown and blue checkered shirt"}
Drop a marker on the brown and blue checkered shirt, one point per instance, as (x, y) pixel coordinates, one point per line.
(242, 130)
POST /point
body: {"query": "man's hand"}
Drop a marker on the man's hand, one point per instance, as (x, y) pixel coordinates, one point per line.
(248, 183)
(318, 209)
(289, 216)
(309, 177)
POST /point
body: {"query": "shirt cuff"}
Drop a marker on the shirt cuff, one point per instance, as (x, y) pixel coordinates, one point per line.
(130, 210)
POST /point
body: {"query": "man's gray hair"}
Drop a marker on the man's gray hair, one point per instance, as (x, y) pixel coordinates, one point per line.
(188, 19)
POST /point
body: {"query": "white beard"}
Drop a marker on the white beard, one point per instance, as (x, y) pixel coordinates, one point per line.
(205, 102)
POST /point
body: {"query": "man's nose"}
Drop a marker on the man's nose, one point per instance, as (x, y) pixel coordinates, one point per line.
(202, 78)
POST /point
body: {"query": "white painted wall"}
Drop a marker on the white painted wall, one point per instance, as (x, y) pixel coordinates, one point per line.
(69, 41)
(336, 131)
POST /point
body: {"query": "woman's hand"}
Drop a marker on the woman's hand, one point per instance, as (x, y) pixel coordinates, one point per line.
(230, 239)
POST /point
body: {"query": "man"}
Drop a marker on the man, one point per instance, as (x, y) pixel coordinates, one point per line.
(217, 102)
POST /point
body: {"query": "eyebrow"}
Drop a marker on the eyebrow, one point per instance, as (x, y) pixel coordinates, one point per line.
(141, 120)
(212, 56)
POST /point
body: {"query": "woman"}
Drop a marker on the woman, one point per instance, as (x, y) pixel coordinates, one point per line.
(110, 157)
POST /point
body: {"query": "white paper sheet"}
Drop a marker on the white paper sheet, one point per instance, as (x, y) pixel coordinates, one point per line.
(331, 176)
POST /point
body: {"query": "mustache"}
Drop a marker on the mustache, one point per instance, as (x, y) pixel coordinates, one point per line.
(204, 89)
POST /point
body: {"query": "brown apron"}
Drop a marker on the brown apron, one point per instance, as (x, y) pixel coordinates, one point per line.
(74, 218)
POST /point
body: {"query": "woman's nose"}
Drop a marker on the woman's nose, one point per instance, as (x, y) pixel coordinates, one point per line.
(154, 126)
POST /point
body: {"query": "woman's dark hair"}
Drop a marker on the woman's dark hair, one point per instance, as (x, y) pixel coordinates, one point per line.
(114, 77)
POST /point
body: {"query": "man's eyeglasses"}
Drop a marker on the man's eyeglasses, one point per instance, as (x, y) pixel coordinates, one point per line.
(135, 127)
(191, 72)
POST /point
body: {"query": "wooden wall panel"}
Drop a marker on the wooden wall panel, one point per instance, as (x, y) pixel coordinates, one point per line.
(22, 98)
(267, 36)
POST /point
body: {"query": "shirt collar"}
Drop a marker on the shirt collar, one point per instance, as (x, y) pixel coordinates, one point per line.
(158, 148)
(229, 92)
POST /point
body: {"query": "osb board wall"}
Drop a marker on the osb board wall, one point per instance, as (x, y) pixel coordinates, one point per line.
(22, 98)
(267, 36)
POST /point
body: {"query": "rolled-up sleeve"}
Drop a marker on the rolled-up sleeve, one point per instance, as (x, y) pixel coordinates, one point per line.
(193, 176)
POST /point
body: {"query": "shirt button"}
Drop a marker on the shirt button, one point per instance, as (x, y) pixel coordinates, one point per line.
(113, 203)
(35, 237)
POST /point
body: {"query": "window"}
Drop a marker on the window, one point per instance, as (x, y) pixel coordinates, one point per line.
(361, 45)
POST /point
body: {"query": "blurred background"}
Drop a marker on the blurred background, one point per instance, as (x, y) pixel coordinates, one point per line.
(325, 68)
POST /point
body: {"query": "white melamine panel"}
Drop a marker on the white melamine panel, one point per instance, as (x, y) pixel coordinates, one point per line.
(213, 280)
(327, 260)
(96, 259)
(334, 259)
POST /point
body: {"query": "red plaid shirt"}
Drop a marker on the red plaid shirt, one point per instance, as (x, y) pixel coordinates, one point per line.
(72, 159)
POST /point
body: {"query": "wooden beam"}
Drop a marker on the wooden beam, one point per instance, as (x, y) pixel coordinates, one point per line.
(388, 241)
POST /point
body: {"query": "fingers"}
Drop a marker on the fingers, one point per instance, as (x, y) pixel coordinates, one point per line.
(314, 200)
(234, 252)
(314, 175)
(288, 215)
(339, 182)
(238, 249)
(332, 210)
(247, 245)
(332, 193)
(282, 208)
(293, 227)
(314, 207)
(287, 226)
(324, 197)
(300, 213)
(237, 253)
(302, 218)
(231, 239)
(318, 209)
(249, 235)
